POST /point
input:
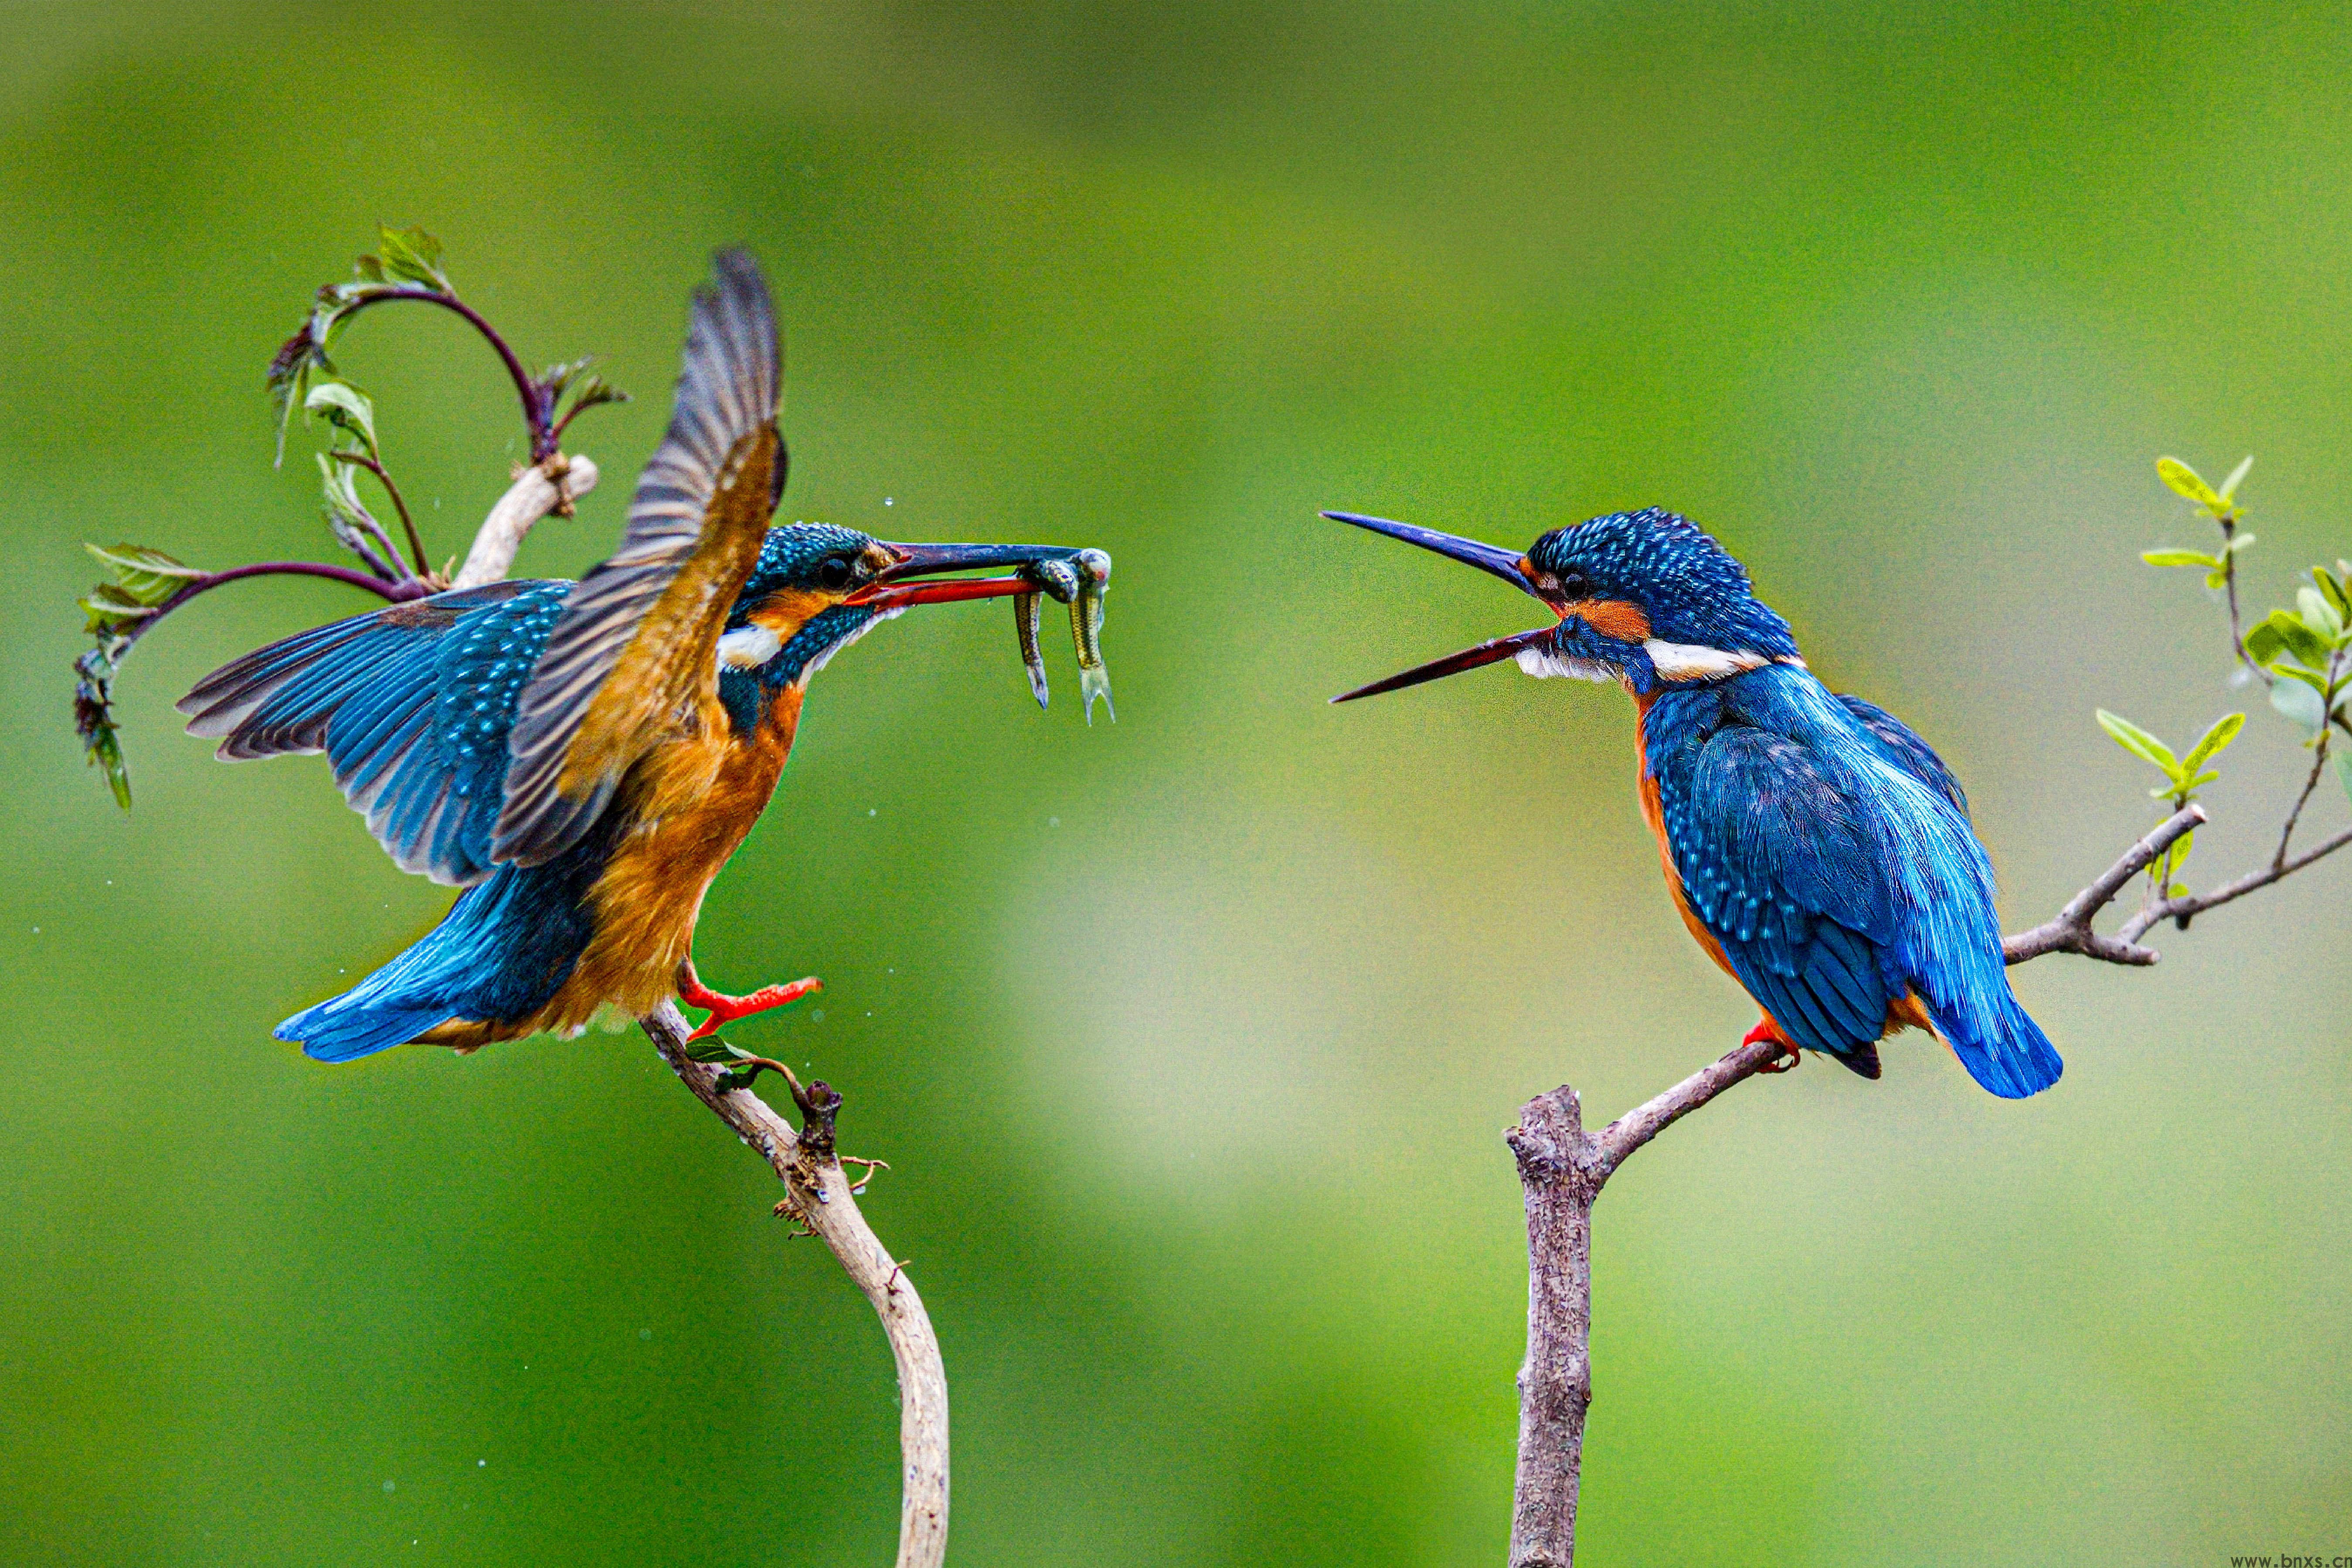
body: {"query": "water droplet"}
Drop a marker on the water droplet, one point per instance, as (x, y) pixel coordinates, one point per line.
(870, 810)
(387, 1486)
(644, 1333)
(887, 501)
(480, 1463)
(1053, 822)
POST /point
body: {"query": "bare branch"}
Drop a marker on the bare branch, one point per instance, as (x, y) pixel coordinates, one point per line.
(2229, 586)
(415, 544)
(535, 409)
(542, 488)
(2286, 834)
(1654, 1116)
(2197, 903)
(2069, 931)
(820, 1197)
(1558, 1175)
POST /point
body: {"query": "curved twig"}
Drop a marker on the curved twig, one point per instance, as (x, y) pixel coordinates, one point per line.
(820, 1197)
(535, 409)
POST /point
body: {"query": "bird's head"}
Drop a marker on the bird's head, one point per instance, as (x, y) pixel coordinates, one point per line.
(1643, 596)
(818, 587)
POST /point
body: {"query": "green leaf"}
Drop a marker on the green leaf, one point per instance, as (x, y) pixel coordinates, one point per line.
(108, 609)
(147, 575)
(2237, 542)
(2298, 638)
(346, 408)
(2177, 890)
(2318, 613)
(712, 1050)
(2178, 557)
(414, 257)
(2264, 642)
(2334, 592)
(2236, 476)
(2138, 742)
(2185, 482)
(2213, 742)
(736, 1077)
(2299, 703)
(2218, 578)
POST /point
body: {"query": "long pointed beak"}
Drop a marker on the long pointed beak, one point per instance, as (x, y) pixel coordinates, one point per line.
(894, 590)
(1493, 651)
(1486, 558)
(1503, 563)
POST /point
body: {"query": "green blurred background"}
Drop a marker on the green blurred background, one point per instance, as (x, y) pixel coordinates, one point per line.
(1190, 1039)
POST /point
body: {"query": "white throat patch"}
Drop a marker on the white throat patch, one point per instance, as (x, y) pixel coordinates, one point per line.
(1696, 662)
(747, 647)
(1544, 664)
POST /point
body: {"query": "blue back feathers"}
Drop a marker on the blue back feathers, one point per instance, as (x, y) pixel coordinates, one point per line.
(1827, 850)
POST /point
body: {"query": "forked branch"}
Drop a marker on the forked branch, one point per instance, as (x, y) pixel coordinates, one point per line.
(1562, 1170)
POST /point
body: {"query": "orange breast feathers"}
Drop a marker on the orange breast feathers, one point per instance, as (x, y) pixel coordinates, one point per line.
(689, 805)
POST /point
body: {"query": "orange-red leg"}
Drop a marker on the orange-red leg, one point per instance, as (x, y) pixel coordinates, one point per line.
(1765, 1029)
(725, 1009)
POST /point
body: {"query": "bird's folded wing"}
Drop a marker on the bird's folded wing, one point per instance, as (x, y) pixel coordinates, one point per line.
(1900, 746)
(1778, 862)
(411, 706)
(633, 658)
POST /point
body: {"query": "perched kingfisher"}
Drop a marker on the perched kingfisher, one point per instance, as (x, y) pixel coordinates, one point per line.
(1818, 850)
(583, 757)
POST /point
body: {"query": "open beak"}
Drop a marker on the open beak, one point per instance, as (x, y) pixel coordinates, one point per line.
(1486, 558)
(897, 587)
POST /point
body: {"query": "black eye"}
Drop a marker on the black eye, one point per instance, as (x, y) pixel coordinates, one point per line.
(1575, 584)
(834, 572)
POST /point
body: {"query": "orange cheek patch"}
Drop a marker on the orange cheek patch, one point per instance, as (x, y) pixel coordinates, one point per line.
(1615, 618)
(788, 610)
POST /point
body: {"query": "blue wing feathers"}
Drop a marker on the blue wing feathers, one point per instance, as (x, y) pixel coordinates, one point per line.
(411, 706)
(1827, 848)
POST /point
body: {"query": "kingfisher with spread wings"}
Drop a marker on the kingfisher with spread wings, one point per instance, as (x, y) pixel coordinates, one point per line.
(583, 757)
(1818, 850)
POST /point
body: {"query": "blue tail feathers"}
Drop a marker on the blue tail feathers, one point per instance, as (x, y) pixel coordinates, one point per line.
(346, 1027)
(2012, 1057)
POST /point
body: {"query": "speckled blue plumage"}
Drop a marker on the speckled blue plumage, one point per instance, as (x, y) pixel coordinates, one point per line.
(1827, 850)
(412, 705)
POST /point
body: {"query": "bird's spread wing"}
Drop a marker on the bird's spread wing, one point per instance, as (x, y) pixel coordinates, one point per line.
(1903, 749)
(635, 654)
(1778, 861)
(411, 705)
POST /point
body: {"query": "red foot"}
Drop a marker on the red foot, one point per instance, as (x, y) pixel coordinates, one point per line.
(725, 1009)
(1767, 1030)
